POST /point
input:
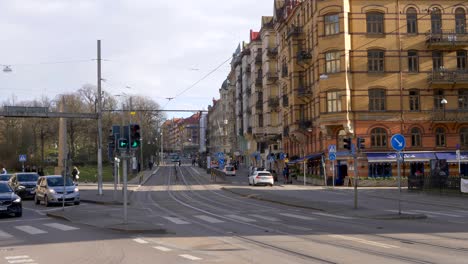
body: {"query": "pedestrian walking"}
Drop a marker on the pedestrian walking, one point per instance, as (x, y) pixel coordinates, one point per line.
(75, 174)
(179, 163)
(4, 171)
(286, 174)
(175, 172)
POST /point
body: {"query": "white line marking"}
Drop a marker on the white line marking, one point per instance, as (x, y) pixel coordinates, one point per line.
(25, 220)
(5, 235)
(141, 241)
(265, 217)
(30, 230)
(165, 249)
(16, 257)
(189, 257)
(209, 219)
(176, 220)
(298, 216)
(21, 261)
(436, 213)
(61, 227)
(241, 218)
(299, 228)
(363, 241)
(334, 216)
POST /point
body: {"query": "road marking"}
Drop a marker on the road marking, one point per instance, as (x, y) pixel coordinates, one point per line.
(16, 257)
(140, 241)
(189, 257)
(436, 213)
(209, 219)
(241, 218)
(165, 249)
(30, 230)
(334, 216)
(265, 217)
(176, 220)
(363, 241)
(21, 261)
(26, 220)
(298, 216)
(5, 235)
(61, 227)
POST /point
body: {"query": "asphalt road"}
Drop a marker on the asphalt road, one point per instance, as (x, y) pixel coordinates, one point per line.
(209, 225)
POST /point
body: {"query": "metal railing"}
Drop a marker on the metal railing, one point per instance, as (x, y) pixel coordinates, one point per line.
(446, 37)
(448, 76)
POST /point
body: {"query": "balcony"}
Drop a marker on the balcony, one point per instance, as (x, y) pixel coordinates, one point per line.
(259, 81)
(284, 71)
(448, 77)
(286, 131)
(440, 115)
(446, 39)
(272, 52)
(303, 56)
(305, 124)
(294, 31)
(285, 101)
(304, 90)
(273, 102)
(259, 105)
(258, 58)
(272, 76)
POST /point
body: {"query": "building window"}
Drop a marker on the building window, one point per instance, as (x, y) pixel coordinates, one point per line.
(260, 120)
(414, 100)
(380, 170)
(463, 99)
(436, 21)
(375, 60)
(413, 61)
(332, 24)
(375, 23)
(437, 61)
(461, 60)
(438, 96)
(440, 137)
(333, 102)
(332, 62)
(464, 136)
(460, 21)
(378, 138)
(377, 100)
(411, 21)
(415, 137)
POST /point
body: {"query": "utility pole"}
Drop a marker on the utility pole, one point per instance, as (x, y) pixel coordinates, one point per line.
(162, 151)
(99, 113)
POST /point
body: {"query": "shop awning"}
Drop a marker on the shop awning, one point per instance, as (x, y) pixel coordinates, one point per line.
(407, 157)
(308, 157)
(452, 156)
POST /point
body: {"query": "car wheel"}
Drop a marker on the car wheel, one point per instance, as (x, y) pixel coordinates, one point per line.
(19, 214)
(36, 200)
(46, 201)
(77, 203)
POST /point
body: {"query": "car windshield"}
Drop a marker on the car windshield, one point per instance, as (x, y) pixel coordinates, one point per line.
(264, 174)
(5, 177)
(229, 168)
(5, 188)
(58, 181)
(27, 177)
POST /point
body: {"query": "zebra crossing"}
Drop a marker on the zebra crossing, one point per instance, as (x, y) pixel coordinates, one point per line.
(20, 259)
(36, 229)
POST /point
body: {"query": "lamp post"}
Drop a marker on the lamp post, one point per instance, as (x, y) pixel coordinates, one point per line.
(444, 102)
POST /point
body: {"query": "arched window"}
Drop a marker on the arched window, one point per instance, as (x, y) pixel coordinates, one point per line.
(378, 138)
(460, 20)
(436, 21)
(411, 21)
(464, 136)
(415, 137)
(375, 24)
(332, 24)
(440, 137)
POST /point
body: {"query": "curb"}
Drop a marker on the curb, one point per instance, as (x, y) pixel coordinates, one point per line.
(147, 178)
(62, 217)
(103, 203)
(397, 217)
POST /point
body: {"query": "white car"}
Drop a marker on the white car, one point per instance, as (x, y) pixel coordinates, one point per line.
(261, 177)
(229, 171)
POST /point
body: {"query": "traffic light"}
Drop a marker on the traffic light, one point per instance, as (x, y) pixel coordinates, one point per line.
(360, 143)
(135, 135)
(111, 140)
(123, 144)
(347, 143)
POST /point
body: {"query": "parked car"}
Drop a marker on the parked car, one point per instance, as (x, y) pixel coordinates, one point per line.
(5, 177)
(10, 202)
(229, 170)
(24, 184)
(261, 177)
(49, 189)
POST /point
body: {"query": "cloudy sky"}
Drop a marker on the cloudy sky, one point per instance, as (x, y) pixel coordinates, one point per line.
(157, 48)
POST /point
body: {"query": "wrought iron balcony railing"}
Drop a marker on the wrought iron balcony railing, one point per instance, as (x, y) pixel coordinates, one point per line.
(443, 38)
(442, 76)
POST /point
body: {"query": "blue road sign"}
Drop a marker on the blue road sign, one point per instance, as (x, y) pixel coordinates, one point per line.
(398, 142)
(22, 158)
(332, 156)
(282, 156)
(332, 148)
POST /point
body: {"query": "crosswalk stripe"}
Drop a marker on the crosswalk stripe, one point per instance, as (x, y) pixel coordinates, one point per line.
(61, 227)
(140, 241)
(334, 216)
(20, 261)
(190, 257)
(30, 230)
(209, 219)
(273, 219)
(165, 249)
(364, 241)
(176, 220)
(298, 216)
(16, 257)
(241, 218)
(5, 235)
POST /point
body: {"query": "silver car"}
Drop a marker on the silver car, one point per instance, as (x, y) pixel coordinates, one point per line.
(49, 189)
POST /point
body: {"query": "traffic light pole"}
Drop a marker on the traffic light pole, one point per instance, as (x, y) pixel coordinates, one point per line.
(99, 113)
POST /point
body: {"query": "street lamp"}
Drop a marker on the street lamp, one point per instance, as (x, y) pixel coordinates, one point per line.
(444, 102)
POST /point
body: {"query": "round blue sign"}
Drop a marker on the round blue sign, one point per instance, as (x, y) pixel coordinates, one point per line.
(398, 142)
(332, 156)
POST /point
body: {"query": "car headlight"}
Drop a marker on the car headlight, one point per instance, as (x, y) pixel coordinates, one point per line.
(52, 191)
(77, 190)
(18, 200)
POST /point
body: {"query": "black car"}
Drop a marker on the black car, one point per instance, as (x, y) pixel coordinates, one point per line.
(10, 203)
(24, 184)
